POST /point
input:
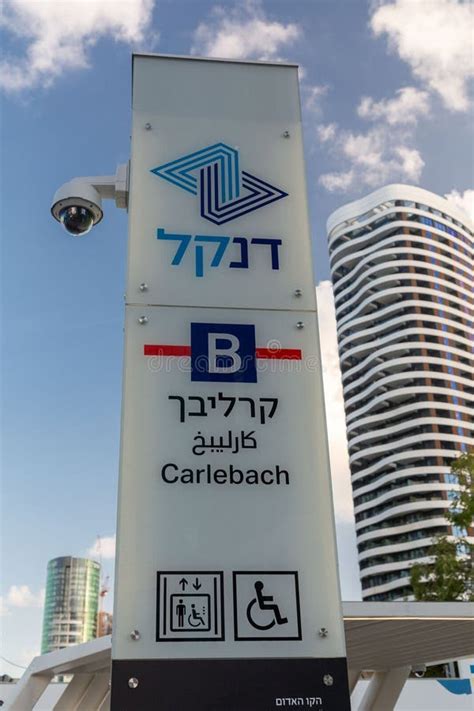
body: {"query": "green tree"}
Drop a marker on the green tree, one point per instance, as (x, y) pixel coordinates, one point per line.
(461, 511)
(450, 575)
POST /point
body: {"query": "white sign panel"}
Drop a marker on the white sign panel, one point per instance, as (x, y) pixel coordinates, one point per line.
(226, 561)
(218, 212)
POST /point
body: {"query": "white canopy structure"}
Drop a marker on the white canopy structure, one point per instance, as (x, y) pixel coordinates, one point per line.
(386, 638)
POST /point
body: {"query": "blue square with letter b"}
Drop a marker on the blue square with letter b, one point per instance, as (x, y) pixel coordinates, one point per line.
(223, 353)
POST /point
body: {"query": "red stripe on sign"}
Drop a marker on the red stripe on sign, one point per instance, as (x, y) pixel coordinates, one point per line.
(167, 350)
(279, 353)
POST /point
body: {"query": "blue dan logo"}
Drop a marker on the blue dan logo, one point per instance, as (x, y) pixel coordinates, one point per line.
(225, 192)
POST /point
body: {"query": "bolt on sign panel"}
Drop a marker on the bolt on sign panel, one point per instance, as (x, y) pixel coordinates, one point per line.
(226, 559)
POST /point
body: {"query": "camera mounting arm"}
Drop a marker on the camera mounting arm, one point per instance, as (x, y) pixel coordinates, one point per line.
(110, 187)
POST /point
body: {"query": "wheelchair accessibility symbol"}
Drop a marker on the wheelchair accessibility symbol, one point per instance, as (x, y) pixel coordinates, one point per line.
(190, 612)
(264, 603)
(266, 606)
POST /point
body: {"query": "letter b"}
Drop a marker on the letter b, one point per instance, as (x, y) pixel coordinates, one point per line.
(218, 354)
(223, 352)
(236, 475)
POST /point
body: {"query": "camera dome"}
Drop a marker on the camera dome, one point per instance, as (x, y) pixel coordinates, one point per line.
(77, 205)
(76, 220)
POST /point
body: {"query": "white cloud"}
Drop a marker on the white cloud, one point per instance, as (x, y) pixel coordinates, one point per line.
(411, 164)
(242, 32)
(463, 200)
(59, 35)
(435, 39)
(406, 107)
(383, 152)
(22, 596)
(326, 132)
(341, 181)
(103, 548)
(312, 97)
(364, 149)
(374, 157)
(333, 397)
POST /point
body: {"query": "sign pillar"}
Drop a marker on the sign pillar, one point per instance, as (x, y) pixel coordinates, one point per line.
(226, 567)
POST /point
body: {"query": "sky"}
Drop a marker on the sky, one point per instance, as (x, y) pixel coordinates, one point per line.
(386, 97)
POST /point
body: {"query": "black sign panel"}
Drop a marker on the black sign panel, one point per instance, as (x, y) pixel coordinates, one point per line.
(230, 685)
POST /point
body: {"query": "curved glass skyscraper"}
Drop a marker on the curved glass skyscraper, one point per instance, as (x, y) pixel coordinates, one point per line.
(71, 603)
(402, 269)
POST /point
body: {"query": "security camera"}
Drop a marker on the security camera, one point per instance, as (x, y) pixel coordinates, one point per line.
(419, 670)
(77, 205)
